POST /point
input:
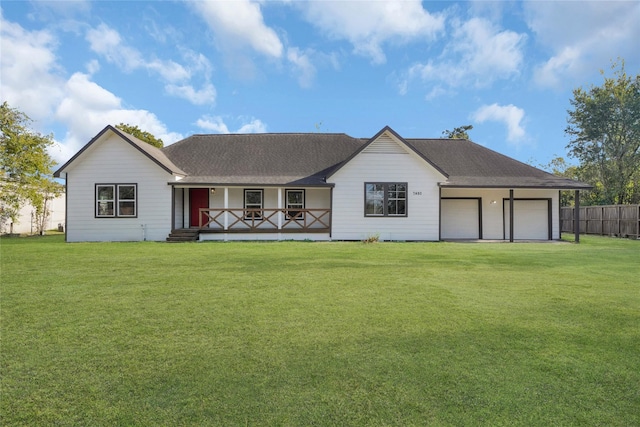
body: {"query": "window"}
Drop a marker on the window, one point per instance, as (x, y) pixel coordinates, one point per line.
(253, 204)
(126, 200)
(385, 199)
(295, 201)
(105, 200)
(116, 200)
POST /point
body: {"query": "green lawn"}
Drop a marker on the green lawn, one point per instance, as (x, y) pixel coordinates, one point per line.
(301, 334)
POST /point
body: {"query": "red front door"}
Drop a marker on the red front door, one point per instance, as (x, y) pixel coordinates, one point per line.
(199, 198)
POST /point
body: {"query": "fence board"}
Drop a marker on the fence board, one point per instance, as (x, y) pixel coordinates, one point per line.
(611, 220)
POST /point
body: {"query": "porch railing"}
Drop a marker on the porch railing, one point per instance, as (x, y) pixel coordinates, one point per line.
(289, 220)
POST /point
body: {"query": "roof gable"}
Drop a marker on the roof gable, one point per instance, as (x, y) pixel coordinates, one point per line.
(153, 153)
(387, 141)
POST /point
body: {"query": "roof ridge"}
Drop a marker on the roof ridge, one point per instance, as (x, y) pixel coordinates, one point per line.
(270, 133)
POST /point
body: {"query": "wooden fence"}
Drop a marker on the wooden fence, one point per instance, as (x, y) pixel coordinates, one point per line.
(613, 220)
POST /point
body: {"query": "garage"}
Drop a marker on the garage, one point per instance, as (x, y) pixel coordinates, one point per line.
(461, 218)
(531, 219)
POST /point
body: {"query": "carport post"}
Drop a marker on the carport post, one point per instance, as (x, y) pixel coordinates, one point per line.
(511, 215)
(576, 217)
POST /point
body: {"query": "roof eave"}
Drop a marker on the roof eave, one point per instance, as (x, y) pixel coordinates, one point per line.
(247, 184)
(532, 186)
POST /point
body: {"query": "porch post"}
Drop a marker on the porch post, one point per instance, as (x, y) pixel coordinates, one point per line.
(576, 217)
(279, 207)
(173, 208)
(511, 215)
(226, 207)
(439, 213)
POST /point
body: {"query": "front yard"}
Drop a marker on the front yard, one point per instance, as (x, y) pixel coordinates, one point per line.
(319, 333)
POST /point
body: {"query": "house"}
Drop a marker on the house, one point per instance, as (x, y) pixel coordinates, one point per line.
(27, 221)
(315, 186)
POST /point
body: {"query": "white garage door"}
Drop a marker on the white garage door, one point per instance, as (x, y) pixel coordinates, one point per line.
(530, 220)
(460, 219)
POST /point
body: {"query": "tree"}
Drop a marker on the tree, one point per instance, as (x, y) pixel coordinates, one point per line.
(48, 191)
(25, 164)
(458, 133)
(141, 135)
(559, 167)
(604, 125)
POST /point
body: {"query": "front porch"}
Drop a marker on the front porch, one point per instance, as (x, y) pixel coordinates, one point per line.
(238, 213)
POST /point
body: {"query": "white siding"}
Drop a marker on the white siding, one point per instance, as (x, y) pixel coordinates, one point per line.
(382, 162)
(114, 161)
(493, 221)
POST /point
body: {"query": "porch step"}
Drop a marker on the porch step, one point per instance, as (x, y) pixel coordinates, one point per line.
(183, 235)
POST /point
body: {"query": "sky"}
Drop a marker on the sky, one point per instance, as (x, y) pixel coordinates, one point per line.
(178, 68)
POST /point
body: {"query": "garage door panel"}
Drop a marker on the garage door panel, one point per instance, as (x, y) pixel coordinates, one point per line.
(460, 219)
(530, 219)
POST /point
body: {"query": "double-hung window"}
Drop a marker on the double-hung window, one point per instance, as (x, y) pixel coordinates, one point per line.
(295, 204)
(116, 201)
(385, 199)
(253, 204)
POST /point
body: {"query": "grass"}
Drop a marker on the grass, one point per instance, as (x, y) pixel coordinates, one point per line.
(286, 333)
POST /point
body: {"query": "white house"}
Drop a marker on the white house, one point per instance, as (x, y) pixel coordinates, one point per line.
(26, 223)
(315, 186)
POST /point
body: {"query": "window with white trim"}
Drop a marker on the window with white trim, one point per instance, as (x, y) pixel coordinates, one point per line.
(116, 200)
(253, 204)
(295, 204)
(385, 199)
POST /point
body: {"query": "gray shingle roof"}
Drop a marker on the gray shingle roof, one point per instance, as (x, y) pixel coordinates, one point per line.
(471, 165)
(273, 158)
(306, 159)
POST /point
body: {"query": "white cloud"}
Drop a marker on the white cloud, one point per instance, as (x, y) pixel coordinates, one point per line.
(368, 25)
(108, 43)
(197, 97)
(216, 124)
(302, 64)
(31, 78)
(93, 66)
(510, 115)
(595, 33)
(477, 54)
(32, 82)
(99, 108)
(240, 23)
(254, 126)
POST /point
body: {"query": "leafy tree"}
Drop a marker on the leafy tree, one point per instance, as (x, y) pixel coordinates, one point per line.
(461, 132)
(48, 191)
(604, 125)
(25, 164)
(560, 167)
(141, 135)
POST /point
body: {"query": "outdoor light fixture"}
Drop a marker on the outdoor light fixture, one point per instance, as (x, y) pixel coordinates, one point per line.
(493, 202)
(213, 191)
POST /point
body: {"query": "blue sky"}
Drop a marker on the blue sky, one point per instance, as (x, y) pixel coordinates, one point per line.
(176, 68)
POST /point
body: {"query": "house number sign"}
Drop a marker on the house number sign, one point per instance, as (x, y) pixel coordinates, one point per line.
(417, 193)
